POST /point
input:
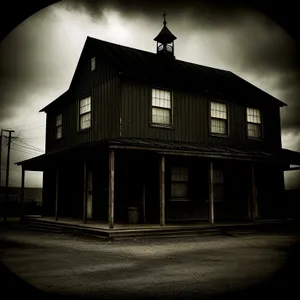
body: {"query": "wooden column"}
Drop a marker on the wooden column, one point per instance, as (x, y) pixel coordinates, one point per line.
(162, 190)
(22, 212)
(56, 195)
(111, 190)
(211, 194)
(84, 191)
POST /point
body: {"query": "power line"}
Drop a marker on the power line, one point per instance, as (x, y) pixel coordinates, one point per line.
(27, 147)
(25, 151)
(32, 138)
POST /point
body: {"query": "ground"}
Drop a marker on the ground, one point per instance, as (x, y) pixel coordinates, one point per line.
(247, 265)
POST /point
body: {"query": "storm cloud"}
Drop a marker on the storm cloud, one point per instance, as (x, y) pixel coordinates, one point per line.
(38, 59)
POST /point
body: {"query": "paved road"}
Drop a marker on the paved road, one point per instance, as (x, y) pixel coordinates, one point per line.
(244, 265)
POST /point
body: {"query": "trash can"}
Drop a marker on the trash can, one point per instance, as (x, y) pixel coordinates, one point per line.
(133, 215)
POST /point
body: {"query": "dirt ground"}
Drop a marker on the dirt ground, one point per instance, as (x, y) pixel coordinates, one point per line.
(241, 265)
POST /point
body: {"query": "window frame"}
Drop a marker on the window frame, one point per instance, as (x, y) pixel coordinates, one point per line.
(161, 125)
(186, 182)
(226, 120)
(260, 124)
(80, 115)
(57, 126)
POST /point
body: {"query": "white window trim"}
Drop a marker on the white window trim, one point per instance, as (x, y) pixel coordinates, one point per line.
(85, 113)
(57, 126)
(163, 108)
(259, 124)
(216, 118)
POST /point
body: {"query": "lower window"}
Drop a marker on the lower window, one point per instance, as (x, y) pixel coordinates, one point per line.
(179, 183)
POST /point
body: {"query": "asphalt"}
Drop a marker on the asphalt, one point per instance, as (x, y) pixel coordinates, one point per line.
(49, 265)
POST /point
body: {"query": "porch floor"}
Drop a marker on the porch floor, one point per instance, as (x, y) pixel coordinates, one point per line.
(101, 229)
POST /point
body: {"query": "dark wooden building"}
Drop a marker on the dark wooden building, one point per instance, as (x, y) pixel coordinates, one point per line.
(170, 139)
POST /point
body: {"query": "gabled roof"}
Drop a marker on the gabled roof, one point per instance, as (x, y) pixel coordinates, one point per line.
(61, 98)
(176, 74)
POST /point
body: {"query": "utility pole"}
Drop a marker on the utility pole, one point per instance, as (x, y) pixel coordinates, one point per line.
(7, 172)
(1, 156)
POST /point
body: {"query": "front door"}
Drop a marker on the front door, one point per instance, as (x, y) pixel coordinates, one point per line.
(90, 196)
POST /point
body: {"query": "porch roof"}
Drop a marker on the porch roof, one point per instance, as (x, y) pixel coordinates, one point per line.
(282, 156)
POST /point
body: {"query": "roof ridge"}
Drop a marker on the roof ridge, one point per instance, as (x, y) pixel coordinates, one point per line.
(154, 54)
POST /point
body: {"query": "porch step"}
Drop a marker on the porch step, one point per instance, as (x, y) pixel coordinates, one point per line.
(37, 224)
(41, 227)
(233, 230)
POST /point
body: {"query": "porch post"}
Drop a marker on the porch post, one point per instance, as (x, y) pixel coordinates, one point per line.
(211, 193)
(111, 183)
(162, 190)
(56, 195)
(22, 213)
(84, 191)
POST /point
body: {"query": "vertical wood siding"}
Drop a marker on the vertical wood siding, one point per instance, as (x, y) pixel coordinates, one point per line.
(103, 86)
(191, 119)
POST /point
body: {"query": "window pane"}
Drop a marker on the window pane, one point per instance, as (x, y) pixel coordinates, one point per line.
(161, 98)
(85, 101)
(179, 174)
(93, 63)
(86, 108)
(179, 189)
(85, 121)
(254, 130)
(218, 176)
(218, 110)
(219, 126)
(161, 116)
(58, 132)
(59, 120)
(253, 115)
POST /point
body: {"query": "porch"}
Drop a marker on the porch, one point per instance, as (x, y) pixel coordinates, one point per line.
(160, 183)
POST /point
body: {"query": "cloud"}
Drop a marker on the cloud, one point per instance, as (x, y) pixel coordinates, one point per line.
(38, 58)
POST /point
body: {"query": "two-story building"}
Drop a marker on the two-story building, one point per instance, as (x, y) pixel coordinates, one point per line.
(173, 139)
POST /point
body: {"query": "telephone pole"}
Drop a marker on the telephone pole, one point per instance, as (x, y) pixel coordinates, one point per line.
(7, 172)
(0, 157)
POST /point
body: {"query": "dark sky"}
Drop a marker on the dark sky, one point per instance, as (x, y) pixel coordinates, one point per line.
(38, 58)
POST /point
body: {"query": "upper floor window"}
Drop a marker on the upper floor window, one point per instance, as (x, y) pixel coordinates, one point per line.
(161, 107)
(254, 123)
(179, 183)
(85, 113)
(218, 114)
(93, 63)
(59, 126)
